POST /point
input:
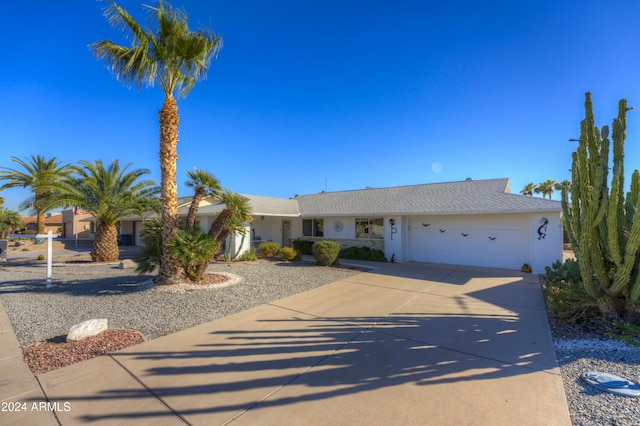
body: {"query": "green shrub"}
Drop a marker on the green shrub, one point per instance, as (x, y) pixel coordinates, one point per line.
(249, 255)
(29, 232)
(41, 257)
(269, 248)
(362, 253)
(150, 254)
(566, 295)
(192, 250)
(288, 254)
(325, 252)
(303, 247)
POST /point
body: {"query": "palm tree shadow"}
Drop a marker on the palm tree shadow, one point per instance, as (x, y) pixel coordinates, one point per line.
(275, 362)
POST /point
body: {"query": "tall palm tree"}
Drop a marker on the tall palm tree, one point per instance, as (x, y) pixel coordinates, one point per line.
(9, 221)
(546, 188)
(108, 194)
(204, 183)
(528, 189)
(176, 58)
(41, 176)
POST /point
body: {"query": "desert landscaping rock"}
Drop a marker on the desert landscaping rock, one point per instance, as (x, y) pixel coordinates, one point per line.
(87, 328)
(127, 264)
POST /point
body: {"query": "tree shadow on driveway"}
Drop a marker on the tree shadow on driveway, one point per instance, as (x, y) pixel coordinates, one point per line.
(426, 355)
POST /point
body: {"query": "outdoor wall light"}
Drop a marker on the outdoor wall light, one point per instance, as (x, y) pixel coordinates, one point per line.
(392, 222)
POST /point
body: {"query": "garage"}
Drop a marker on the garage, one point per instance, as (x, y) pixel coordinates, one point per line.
(499, 241)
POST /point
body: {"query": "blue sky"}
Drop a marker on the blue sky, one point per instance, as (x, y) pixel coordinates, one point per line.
(336, 95)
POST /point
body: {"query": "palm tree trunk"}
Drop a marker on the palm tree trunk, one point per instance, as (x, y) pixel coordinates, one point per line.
(169, 270)
(105, 245)
(40, 223)
(193, 208)
(219, 222)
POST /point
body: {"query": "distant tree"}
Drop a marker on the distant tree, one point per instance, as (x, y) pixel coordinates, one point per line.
(528, 189)
(9, 222)
(41, 176)
(203, 183)
(108, 194)
(175, 57)
(546, 188)
(1, 201)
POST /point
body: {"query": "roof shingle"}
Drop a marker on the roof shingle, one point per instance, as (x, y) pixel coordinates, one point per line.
(464, 197)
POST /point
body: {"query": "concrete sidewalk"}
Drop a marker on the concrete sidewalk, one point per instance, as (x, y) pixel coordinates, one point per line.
(404, 344)
(19, 390)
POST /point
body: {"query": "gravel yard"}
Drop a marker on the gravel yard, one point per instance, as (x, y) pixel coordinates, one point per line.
(131, 301)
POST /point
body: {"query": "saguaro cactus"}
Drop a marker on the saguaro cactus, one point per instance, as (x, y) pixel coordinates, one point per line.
(601, 222)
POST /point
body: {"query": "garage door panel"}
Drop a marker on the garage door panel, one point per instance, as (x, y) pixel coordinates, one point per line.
(493, 242)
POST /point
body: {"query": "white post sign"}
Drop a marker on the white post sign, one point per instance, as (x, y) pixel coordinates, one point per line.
(49, 257)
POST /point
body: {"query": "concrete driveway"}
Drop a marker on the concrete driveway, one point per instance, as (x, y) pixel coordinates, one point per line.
(404, 344)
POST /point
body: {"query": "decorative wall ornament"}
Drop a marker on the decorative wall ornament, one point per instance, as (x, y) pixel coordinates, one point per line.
(426, 224)
(542, 229)
(492, 238)
(464, 235)
(443, 230)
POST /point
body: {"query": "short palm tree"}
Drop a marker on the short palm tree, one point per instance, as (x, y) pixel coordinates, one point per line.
(203, 183)
(232, 219)
(41, 176)
(546, 188)
(175, 57)
(9, 221)
(528, 189)
(237, 209)
(108, 194)
(193, 249)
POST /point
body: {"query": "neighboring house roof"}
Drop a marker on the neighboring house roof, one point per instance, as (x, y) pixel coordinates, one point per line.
(51, 220)
(464, 197)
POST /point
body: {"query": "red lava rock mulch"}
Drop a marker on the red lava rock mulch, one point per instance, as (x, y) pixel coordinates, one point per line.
(57, 352)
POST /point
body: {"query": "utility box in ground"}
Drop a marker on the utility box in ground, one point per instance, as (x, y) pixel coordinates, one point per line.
(3, 250)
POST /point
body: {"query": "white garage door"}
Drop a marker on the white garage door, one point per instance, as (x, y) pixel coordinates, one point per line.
(492, 241)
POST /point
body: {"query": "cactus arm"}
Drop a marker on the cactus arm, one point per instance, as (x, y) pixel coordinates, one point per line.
(623, 272)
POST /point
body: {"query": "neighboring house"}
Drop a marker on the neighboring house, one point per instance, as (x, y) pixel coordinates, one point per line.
(472, 222)
(78, 225)
(53, 222)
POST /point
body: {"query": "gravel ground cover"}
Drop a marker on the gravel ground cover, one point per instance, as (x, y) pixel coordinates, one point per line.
(131, 301)
(579, 350)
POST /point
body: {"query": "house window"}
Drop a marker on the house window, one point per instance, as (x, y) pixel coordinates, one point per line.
(370, 228)
(92, 227)
(313, 227)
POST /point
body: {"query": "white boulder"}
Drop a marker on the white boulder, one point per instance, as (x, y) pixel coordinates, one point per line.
(127, 264)
(86, 329)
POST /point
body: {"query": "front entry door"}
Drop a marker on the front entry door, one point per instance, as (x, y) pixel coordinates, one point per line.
(286, 233)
